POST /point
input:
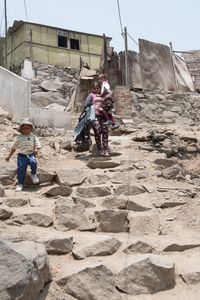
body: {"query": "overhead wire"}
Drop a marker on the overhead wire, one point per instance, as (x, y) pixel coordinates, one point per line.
(121, 26)
(120, 18)
(132, 39)
(25, 10)
(1, 22)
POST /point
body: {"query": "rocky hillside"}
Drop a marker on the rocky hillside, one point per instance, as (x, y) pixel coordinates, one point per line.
(120, 228)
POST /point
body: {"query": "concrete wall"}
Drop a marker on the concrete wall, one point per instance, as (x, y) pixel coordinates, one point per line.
(192, 59)
(46, 118)
(156, 66)
(134, 69)
(16, 98)
(15, 94)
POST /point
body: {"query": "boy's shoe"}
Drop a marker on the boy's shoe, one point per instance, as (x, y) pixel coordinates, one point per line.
(109, 122)
(115, 126)
(34, 178)
(19, 188)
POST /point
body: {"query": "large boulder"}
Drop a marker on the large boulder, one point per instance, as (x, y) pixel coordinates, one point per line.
(112, 221)
(36, 219)
(5, 214)
(70, 177)
(96, 283)
(24, 270)
(93, 191)
(128, 190)
(73, 217)
(144, 224)
(95, 245)
(102, 164)
(57, 190)
(147, 275)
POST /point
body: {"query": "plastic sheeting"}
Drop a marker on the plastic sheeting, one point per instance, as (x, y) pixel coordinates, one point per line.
(183, 78)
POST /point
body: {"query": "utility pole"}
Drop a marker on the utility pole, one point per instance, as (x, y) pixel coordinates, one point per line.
(105, 54)
(174, 69)
(126, 58)
(6, 29)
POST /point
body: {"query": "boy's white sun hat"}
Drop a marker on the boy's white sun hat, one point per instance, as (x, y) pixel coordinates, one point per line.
(25, 121)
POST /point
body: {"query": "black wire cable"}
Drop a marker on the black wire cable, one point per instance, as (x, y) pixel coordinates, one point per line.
(120, 18)
(132, 39)
(25, 10)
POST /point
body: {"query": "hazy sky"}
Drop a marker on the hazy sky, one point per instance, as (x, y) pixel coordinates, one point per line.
(158, 21)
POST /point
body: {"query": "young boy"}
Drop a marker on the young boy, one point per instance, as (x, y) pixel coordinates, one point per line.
(107, 100)
(27, 145)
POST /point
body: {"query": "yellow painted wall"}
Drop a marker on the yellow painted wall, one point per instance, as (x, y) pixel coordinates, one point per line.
(16, 49)
(45, 47)
(64, 56)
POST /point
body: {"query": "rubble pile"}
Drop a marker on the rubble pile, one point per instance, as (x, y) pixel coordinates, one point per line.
(53, 87)
(162, 107)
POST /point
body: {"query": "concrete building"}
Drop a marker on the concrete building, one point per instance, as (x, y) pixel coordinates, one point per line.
(51, 45)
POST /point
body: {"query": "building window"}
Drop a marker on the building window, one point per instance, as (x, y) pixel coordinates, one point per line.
(74, 44)
(62, 41)
(62, 38)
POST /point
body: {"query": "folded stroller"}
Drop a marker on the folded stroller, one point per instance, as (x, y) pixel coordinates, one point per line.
(82, 131)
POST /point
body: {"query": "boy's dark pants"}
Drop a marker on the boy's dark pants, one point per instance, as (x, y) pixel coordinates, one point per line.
(23, 161)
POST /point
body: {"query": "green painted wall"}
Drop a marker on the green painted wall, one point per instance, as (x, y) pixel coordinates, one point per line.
(44, 47)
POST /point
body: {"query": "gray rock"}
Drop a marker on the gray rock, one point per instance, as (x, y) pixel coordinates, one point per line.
(91, 283)
(141, 175)
(138, 203)
(144, 224)
(164, 162)
(5, 214)
(53, 292)
(36, 219)
(70, 177)
(62, 205)
(139, 247)
(56, 243)
(51, 85)
(173, 172)
(112, 221)
(44, 177)
(93, 191)
(15, 202)
(2, 191)
(24, 270)
(96, 179)
(102, 164)
(6, 180)
(191, 275)
(74, 217)
(119, 202)
(146, 276)
(59, 191)
(166, 203)
(102, 247)
(66, 145)
(180, 247)
(126, 189)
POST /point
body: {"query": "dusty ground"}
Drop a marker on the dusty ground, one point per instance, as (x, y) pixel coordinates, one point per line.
(178, 224)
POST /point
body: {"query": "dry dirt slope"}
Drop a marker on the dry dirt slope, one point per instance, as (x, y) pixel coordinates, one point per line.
(120, 228)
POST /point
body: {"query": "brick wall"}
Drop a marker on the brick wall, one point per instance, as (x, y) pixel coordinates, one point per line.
(123, 101)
